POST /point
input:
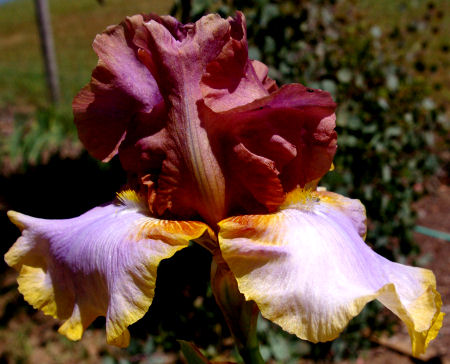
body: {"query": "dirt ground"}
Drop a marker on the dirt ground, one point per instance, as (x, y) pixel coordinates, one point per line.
(434, 213)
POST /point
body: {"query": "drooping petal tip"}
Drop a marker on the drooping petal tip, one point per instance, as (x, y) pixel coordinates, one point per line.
(425, 322)
(308, 269)
(102, 263)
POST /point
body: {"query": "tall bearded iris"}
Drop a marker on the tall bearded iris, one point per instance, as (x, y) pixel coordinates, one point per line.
(215, 153)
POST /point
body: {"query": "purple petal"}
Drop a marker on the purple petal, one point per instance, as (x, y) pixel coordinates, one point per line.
(102, 263)
(309, 271)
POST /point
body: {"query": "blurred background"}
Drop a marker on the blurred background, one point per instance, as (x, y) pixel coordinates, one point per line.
(386, 64)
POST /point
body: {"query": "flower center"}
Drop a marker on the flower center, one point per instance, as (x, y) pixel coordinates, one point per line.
(301, 199)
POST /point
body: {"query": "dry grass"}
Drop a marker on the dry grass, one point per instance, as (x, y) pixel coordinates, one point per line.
(75, 24)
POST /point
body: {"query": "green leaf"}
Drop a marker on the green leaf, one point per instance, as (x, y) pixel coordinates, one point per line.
(279, 346)
(344, 75)
(192, 353)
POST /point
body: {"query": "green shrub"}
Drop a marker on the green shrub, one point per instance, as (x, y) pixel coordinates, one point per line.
(36, 137)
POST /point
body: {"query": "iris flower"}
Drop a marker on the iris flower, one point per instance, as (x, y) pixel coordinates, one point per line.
(215, 153)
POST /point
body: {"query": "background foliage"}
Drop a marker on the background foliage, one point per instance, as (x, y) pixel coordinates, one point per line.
(387, 75)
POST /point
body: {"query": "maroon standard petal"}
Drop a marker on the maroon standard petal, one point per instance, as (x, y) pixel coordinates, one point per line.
(230, 79)
(199, 127)
(208, 69)
(262, 72)
(121, 86)
(190, 178)
(274, 144)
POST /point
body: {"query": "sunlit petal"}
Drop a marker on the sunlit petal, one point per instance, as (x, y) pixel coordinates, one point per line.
(230, 80)
(309, 270)
(191, 115)
(178, 64)
(102, 263)
(262, 71)
(121, 87)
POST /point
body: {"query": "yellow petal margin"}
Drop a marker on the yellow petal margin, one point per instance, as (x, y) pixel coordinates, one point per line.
(102, 263)
(309, 270)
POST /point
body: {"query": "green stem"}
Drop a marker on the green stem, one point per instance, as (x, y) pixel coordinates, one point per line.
(251, 355)
(242, 322)
(240, 315)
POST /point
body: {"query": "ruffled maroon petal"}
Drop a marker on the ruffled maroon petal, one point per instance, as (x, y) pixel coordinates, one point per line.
(290, 132)
(121, 86)
(230, 79)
